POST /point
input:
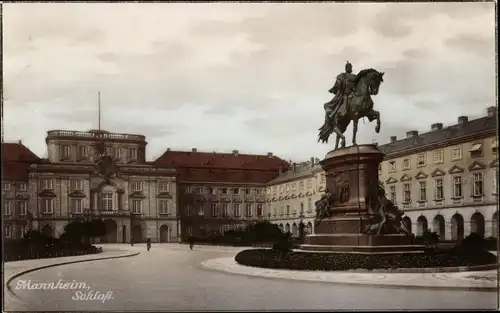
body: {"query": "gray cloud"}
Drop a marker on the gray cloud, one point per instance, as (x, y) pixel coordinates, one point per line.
(207, 76)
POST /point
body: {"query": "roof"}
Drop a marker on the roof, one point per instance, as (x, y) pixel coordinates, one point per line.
(301, 170)
(482, 124)
(15, 171)
(220, 160)
(229, 176)
(17, 152)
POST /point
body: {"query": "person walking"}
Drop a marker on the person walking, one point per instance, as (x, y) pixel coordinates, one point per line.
(148, 243)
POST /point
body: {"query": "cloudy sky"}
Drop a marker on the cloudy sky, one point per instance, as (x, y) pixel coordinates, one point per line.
(251, 77)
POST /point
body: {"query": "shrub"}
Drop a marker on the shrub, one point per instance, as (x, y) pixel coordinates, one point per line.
(268, 258)
(490, 244)
(472, 242)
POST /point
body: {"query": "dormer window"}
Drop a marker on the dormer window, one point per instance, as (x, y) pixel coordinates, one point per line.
(476, 150)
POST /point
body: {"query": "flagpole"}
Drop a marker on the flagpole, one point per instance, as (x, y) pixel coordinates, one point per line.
(99, 108)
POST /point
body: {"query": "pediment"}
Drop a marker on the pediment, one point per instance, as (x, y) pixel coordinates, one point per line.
(47, 194)
(287, 197)
(455, 170)
(405, 178)
(494, 163)
(437, 172)
(280, 198)
(391, 180)
(137, 194)
(475, 166)
(301, 194)
(294, 196)
(421, 175)
(309, 193)
(77, 194)
(321, 189)
(166, 195)
(274, 199)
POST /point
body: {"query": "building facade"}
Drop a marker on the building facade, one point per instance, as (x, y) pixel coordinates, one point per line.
(446, 179)
(219, 192)
(104, 175)
(291, 196)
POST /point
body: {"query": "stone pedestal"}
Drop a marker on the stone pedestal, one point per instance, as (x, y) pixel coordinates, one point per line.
(352, 177)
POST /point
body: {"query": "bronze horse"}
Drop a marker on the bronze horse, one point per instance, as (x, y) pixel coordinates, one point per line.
(359, 104)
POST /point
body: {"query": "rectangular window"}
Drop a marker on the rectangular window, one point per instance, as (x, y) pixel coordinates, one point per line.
(201, 210)
(294, 187)
(439, 195)
(302, 208)
(225, 209)
(7, 231)
(133, 154)
(136, 206)
(309, 183)
(457, 187)
(268, 191)
(23, 230)
(275, 190)
(136, 185)
(47, 206)
(476, 150)
(83, 151)
(406, 163)
(248, 191)
(224, 191)
(494, 146)
(236, 191)
(422, 159)
(200, 190)
(117, 152)
(259, 210)
(23, 208)
(76, 184)
(47, 183)
(23, 187)
(478, 184)
(77, 206)
(215, 209)
(392, 193)
(213, 190)
(301, 185)
(163, 206)
(456, 153)
(107, 202)
(260, 191)
(6, 186)
(309, 205)
(282, 210)
(163, 186)
(248, 209)
(423, 190)
(236, 208)
(438, 156)
(287, 209)
(188, 210)
(406, 193)
(7, 208)
(66, 151)
(392, 166)
(282, 189)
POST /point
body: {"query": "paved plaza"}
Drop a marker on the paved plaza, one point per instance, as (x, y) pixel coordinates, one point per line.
(170, 277)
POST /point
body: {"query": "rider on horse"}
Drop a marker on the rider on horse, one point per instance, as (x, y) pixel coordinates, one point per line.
(343, 88)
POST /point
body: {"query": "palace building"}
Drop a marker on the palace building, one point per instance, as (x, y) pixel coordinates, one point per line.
(220, 191)
(90, 174)
(446, 179)
(291, 196)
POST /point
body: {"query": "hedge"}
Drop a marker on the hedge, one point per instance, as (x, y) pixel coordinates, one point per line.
(268, 258)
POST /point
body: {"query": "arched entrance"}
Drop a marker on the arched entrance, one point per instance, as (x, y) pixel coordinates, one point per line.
(457, 227)
(495, 227)
(439, 226)
(47, 231)
(477, 224)
(137, 233)
(164, 233)
(111, 235)
(295, 230)
(407, 222)
(422, 225)
(281, 227)
(124, 234)
(309, 228)
(287, 228)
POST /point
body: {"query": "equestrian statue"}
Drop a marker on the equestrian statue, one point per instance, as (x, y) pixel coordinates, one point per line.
(352, 101)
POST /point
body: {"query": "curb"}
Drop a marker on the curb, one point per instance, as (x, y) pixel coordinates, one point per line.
(12, 293)
(389, 286)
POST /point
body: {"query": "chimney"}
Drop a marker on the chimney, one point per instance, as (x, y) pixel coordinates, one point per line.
(491, 111)
(463, 119)
(393, 138)
(194, 150)
(168, 149)
(235, 152)
(270, 154)
(312, 161)
(20, 142)
(411, 134)
(294, 166)
(437, 126)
